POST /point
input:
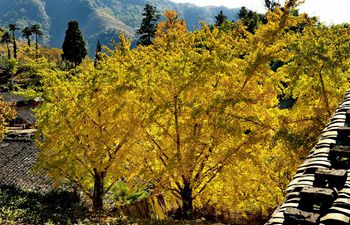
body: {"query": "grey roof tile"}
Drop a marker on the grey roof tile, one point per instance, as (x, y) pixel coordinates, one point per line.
(27, 115)
(17, 159)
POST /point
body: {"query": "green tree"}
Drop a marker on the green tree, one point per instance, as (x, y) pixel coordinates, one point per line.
(6, 39)
(98, 53)
(27, 33)
(271, 4)
(220, 19)
(13, 27)
(148, 25)
(36, 29)
(251, 19)
(74, 46)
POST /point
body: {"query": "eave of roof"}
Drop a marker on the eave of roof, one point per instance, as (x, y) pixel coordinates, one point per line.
(10, 97)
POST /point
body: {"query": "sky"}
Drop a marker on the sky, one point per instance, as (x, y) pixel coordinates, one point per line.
(330, 12)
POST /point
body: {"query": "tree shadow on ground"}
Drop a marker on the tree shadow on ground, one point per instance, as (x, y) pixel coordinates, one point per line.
(27, 207)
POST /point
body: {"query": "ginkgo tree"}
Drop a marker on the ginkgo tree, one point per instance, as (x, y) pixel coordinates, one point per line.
(318, 76)
(196, 115)
(207, 105)
(87, 125)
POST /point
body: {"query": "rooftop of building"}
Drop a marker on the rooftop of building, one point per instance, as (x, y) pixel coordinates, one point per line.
(17, 159)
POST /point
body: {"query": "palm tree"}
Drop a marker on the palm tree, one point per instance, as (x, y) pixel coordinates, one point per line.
(13, 27)
(27, 33)
(6, 39)
(36, 29)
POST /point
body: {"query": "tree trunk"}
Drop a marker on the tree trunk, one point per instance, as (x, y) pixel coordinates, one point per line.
(28, 41)
(187, 201)
(36, 43)
(149, 39)
(8, 51)
(98, 190)
(14, 47)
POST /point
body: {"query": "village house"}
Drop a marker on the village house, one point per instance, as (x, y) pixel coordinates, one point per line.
(17, 149)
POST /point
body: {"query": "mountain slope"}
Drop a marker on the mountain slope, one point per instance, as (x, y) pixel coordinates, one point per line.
(98, 19)
(24, 13)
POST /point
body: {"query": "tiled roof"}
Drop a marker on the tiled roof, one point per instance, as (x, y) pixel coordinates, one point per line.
(9, 97)
(16, 161)
(320, 191)
(27, 115)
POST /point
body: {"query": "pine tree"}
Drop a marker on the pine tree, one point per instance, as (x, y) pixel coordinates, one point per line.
(220, 19)
(36, 29)
(6, 39)
(271, 4)
(251, 19)
(148, 25)
(27, 33)
(97, 53)
(13, 28)
(74, 47)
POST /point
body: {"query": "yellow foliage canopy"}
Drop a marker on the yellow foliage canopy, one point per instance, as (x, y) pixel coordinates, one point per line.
(197, 114)
(7, 112)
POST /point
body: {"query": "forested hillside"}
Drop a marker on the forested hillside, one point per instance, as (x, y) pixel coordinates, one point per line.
(99, 19)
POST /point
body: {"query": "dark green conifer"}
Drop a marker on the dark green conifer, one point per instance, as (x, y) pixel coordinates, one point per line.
(6, 39)
(74, 47)
(271, 4)
(13, 27)
(148, 26)
(220, 19)
(97, 53)
(251, 19)
(36, 29)
(27, 33)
